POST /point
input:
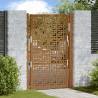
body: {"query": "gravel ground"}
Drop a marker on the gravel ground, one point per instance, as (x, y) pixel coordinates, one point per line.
(67, 93)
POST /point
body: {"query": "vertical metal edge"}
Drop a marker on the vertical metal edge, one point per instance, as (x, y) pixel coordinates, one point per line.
(28, 56)
(27, 16)
(5, 33)
(71, 51)
(91, 31)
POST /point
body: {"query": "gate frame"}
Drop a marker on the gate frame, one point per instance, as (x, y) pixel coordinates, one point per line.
(71, 51)
(70, 33)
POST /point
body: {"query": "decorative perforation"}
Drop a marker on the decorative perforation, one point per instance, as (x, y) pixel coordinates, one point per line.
(49, 51)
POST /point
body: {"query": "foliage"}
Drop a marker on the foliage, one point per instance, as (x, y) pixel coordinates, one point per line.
(8, 75)
(95, 7)
(88, 89)
(93, 88)
(66, 6)
(94, 74)
(82, 5)
(27, 94)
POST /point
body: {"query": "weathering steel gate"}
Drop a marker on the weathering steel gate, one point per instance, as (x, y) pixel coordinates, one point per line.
(49, 51)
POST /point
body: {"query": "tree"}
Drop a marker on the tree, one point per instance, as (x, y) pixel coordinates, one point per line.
(95, 7)
(67, 7)
(82, 5)
(64, 6)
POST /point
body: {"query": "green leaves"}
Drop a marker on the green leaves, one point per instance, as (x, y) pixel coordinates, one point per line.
(94, 74)
(66, 6)
(95, 7)
(83, 5)
(8, 75)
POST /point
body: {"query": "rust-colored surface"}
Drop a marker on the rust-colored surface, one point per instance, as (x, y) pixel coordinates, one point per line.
(49, 53)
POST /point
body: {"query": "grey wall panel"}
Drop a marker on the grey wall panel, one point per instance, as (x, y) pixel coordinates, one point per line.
(82, 48)
(17, 42)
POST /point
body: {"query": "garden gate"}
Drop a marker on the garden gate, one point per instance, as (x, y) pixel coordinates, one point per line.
(49, 51)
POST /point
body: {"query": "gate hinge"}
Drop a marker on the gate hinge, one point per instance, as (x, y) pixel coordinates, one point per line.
(69, 25)
(68, 40)
(67, 63)
(30, 64)
(30, 39)
(28, 43)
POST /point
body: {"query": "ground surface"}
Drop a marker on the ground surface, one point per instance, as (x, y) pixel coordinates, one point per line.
(27, 94)
(67, 93)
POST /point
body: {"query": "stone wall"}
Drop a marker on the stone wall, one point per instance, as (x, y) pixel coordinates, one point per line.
(82, 48)
(17, 42)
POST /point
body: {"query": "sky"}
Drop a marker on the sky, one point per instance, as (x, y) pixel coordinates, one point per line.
(31, 6)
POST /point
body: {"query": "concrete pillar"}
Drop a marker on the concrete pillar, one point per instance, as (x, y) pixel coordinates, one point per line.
(17, 42)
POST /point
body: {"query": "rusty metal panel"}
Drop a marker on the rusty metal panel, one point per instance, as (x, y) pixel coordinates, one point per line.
(48, 49)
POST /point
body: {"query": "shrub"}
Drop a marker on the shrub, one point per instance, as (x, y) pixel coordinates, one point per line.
(94, 74)
(8, 75)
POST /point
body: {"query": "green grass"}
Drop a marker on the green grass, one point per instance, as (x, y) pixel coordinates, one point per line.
(27, 94)
(93, 90)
